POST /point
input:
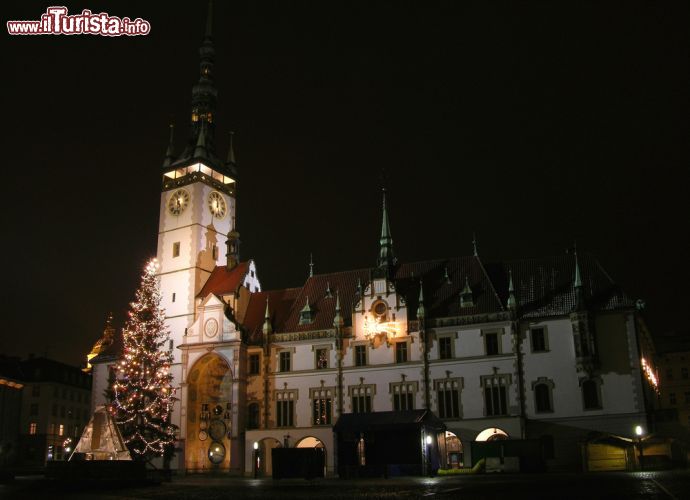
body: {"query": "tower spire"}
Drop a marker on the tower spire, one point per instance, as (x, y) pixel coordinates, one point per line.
(386, 259)
(230, 162)
(338, 318)
(421, 312)
(204, 93)
(170, 152)
(267, 329)
(311, 265)
(474, 245)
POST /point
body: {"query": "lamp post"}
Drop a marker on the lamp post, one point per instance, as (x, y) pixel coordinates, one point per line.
(428, 456)
(256, 459)
(638, 433)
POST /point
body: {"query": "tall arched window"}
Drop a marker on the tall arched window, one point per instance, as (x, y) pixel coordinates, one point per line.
(253, 416)
(590, 395)
(542, 398)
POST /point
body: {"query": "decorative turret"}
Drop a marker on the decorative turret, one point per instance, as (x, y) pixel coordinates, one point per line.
(386, 260)
(311, 265)
(231, 162)
(421, 312)
(233, 252)
(338, 321)
(267, 328)
(466, 299)
(512, 302)
(577, 285)
(305, 316)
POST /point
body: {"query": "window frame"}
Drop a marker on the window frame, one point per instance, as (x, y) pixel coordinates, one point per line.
(322, 396)
(284, 358)
(402, 347)
(496, 394)
(452, 387)
(250, 364)
(364, 395)
(355, 358)
(405, 398)
(545, 339)
(285, 408)
(548, 386)
(597, 392)
(450, 354)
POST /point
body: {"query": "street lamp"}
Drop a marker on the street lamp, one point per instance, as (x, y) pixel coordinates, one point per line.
(256, 459)
(638, 433)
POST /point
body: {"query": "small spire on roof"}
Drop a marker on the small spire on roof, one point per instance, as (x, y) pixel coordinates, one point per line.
(267, 329)
(420, 308)
(231, 150)
(512, 303)
(474, 245)
(170, 152)
(577, 284)
(329, 295)
(386, 260)
(200, 149)
(338, 318)
(311, 265)
(446, 278)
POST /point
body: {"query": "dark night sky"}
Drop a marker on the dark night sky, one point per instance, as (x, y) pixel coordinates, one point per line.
(531, 124)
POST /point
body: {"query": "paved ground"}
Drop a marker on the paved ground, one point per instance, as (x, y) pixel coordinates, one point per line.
(643, 485)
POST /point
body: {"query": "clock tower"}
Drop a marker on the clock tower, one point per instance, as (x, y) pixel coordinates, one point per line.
(197, 211)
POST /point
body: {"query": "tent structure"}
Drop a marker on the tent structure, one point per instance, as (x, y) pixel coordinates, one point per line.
(101, 439)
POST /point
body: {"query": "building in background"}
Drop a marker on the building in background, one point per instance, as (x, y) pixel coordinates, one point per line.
(11, 387)
(55, 406)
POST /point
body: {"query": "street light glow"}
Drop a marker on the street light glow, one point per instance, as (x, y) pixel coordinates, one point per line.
(256, 445)
(638, 430)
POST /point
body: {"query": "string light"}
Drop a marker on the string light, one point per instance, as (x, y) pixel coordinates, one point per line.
(143, 396)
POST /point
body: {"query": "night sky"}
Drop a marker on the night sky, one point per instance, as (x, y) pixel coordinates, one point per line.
(531, 124)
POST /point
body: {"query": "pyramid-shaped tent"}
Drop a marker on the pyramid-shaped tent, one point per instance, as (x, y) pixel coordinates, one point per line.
(101, 439)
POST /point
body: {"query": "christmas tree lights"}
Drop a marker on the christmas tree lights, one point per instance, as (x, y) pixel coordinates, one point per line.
(142, 395)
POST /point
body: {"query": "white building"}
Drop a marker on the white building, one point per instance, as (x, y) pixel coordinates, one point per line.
(545, 349)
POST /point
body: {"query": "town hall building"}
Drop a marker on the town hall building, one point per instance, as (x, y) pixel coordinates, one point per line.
(463, 350)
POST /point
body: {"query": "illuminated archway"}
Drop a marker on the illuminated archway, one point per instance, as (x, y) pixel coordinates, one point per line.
(491, 434)
(209, 425)
(265, 458)
(313, 442)
(454, 451)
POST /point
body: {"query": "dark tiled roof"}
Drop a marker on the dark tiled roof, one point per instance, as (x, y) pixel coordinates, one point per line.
(222, 282)
(279, 305)
(544, 287)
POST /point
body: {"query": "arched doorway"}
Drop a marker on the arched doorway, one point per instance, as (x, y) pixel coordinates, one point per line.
(492, 434)
(454, 453)
(265, 458)
(209, 425)
(313, 442)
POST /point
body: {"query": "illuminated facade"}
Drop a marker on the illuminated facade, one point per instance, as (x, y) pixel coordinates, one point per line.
(538, 349)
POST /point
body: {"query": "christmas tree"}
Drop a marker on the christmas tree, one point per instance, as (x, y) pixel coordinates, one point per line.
(142, 395)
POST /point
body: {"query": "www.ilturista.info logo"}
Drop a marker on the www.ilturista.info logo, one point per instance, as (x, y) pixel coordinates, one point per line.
(56, 22)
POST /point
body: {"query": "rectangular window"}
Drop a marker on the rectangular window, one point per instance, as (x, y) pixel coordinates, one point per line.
(321, 409)
(401, 352)
(36, 391)
(360, 355)
(491, 343)
(672, 398)
(285, 358)
(445, 350)
(590, 395)
(254, 364)
(33, 409)
(538, 336)
(321, 359)
(61, 430)
(496, 400)
(173, 297)
(361, 398)
(448, 392)
(51, 429)
(403, 396)
(176, 249)
(33, 426)
(285, 409)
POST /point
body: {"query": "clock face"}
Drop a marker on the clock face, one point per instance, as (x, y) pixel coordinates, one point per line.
(202, 435)
(217, 429)
(178, 202)
(217, 205)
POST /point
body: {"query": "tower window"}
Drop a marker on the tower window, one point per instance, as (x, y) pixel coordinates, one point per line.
(214, 251)
(173, 297)
(176, 249)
